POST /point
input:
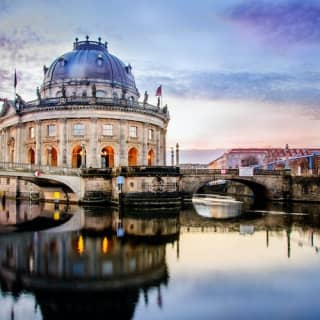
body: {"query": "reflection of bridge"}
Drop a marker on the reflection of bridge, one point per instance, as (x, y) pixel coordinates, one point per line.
(76, 184)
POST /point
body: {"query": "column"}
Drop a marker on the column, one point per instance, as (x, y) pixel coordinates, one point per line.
(93, 138)
(144, 155)
(83, 156)
(123, 156)
(18, 143)
(6, 146)
(63, 143)
(49, 161)
(164, 146)
(158, 147)
(38, 143)
(2, 145)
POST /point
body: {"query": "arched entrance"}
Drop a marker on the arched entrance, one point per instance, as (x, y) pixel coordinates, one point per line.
(133, 157)
(78, 157)
(151, 158)
(107, 157)
(52, 157)
(31, 156)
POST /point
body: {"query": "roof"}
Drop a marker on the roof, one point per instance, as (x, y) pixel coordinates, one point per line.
(91, 60)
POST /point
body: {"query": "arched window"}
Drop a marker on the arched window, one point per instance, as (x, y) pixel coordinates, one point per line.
(133, 157)
(101, 94)
(78, 157)
(107, 157)
(31, 156)
(151, 158)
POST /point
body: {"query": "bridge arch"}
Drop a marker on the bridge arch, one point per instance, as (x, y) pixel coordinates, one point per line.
(259, 190)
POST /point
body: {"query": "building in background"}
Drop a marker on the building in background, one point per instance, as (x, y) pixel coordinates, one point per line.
(299, 160)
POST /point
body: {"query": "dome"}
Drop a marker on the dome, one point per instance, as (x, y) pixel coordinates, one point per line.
(90, 60)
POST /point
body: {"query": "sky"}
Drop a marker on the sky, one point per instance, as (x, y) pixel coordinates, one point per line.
(235, 73)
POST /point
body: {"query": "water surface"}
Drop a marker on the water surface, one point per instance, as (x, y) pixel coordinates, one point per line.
(263, 264)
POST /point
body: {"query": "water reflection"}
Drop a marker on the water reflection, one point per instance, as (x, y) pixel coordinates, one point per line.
(164, 265)
(90, 272)
(218, 207)
(22, 215)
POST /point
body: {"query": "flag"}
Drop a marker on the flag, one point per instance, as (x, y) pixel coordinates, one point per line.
(15, 78)
(159, 91)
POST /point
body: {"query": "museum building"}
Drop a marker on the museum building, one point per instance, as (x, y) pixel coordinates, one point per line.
(87, 115)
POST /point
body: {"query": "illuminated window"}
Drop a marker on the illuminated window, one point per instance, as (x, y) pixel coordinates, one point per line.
(150, 134)
(31, 132)
(133, 132)
(107, 130)
(78, 129)
(51, 130)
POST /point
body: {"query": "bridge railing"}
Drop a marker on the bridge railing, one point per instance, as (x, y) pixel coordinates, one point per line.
(235, 172)
(27, 167)
(149, 171)
(203, 171)
(263, 172)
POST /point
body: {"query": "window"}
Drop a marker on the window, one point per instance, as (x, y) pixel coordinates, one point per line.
(100, 60)
(107, 130)
(78, 129)
(133, 132)
(31, 132)
(51, 130)
(150, 134)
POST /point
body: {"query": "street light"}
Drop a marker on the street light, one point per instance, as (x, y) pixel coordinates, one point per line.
(286, 166)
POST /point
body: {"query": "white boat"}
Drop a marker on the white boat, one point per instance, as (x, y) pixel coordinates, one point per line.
(218, 207)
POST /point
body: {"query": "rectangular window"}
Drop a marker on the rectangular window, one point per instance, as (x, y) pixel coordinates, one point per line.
(31, 132)
(150, 134)
(51, 130)
(133, 132)
(78, 129)
(107, 130)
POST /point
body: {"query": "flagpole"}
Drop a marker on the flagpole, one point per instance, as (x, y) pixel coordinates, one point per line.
(15, 87)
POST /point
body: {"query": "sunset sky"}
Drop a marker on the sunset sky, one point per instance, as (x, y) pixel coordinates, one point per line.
(234, 73)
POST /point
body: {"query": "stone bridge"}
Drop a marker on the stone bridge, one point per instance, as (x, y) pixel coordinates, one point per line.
(82, 184)
(48, 179)
(266, 184)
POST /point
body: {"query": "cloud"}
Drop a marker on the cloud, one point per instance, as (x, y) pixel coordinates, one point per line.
(297, 89)
(281, 22)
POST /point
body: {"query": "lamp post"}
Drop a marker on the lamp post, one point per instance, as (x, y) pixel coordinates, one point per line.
(287, 167)
(172, 157)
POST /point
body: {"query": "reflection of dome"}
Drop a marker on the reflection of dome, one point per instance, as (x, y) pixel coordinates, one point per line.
(90, 60)
(100, 278)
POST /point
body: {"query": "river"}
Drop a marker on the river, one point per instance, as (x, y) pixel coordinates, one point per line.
(67, 262)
